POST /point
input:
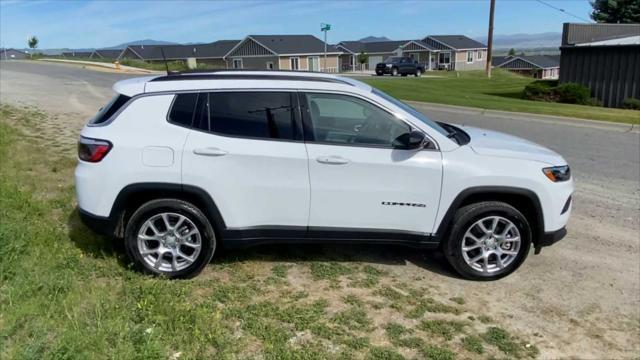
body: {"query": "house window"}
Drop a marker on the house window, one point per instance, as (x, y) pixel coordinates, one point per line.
(469, 57)
(313, 63)
(479, 55)
(444, 58)
(237, 63)
(269, 65)
(294, 63)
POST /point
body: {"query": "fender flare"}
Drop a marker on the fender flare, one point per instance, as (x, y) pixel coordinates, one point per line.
(447, 220)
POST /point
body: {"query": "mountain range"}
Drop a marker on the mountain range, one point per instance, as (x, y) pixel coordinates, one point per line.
(525, 41)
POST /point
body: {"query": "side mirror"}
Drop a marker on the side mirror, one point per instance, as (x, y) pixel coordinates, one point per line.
(410, 141)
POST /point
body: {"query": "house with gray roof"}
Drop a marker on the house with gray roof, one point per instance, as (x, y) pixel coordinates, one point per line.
(112, 54)
(77, 54)
(12, 54)
(536, 66)
(378, 51)
(603, 57)
(457, 52)
(211, 54)
(284, 52)
(434, 52)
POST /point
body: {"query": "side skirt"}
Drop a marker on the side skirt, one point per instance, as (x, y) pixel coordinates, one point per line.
(235, 238)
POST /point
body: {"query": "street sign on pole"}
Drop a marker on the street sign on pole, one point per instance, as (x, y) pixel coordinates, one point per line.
(325, 28)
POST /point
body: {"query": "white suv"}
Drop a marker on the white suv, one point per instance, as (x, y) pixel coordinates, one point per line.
(179, 165)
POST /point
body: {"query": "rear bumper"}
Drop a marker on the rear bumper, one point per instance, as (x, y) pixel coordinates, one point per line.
(98, 224)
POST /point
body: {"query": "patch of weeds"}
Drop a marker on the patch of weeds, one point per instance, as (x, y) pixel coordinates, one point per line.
(357, 343)
(432, 306)
(433, 352)
(458, 300)
(473, 344)
(299, 295)
(353, 318)
(328, 270)
(508, 344)
(443, 328)
(383, 353)
(280, 270)
(395, 331)
(390, 294)
(231, 293)
(353, 300)
(485, 319)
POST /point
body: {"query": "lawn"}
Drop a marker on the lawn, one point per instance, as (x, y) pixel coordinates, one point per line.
(67, 293)
(501, 92)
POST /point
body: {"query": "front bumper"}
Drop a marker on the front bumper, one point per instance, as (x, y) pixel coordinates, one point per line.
(550, 238)
(385, 70)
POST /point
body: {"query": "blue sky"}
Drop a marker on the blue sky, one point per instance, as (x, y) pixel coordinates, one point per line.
(79, 24)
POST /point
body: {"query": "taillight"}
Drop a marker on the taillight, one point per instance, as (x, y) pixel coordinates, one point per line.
(93, 150)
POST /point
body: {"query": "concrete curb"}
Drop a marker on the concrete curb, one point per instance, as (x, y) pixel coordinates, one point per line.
(123, 68)
(550, 119)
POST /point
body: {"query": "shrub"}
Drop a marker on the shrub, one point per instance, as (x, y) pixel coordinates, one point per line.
(573, 93)
(631, 103)
(541, 90)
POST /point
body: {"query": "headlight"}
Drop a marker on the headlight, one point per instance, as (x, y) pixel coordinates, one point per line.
(389, 65)
(558, 173)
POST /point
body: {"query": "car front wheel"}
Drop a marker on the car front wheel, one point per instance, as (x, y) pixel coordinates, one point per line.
(418, 73)
(489, 240)
(394, 72)
(170, 237)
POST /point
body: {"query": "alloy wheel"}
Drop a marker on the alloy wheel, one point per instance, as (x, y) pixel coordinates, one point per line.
(169, 242)
(491, 244)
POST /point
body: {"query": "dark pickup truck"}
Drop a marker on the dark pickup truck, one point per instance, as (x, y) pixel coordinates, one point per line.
(399, 65)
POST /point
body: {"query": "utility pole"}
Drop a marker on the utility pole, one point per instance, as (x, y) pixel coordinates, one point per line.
(325, 28)
(490, 38)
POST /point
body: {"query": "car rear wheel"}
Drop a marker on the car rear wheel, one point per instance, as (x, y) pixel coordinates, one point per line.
(418, 73)
(489, 240)
(394, 72)
(170, 237)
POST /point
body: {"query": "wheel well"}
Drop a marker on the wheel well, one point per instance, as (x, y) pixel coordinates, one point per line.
(133, 196)
(524, 201)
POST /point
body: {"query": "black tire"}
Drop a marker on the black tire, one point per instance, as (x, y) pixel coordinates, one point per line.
(379, 74)
(464, 219)
(394, 71)
(188, 210)
(418, 73)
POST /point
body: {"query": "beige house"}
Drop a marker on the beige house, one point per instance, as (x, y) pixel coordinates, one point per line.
(457, 52)
(283, 52)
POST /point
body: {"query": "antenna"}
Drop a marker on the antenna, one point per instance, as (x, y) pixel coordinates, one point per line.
(165, 60)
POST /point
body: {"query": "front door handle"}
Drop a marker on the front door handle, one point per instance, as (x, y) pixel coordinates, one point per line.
(210, 151)
(333, 160)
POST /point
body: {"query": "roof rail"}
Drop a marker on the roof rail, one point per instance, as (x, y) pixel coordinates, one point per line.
(241, 74)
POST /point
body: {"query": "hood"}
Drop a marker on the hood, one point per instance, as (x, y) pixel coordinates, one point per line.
(494, 143)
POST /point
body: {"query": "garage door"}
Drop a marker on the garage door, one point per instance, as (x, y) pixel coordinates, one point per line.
(373, 61)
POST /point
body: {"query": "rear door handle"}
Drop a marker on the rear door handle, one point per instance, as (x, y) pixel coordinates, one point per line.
(333, 160)
(210, 151)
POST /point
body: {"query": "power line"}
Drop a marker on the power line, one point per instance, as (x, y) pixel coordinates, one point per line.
(563, 10)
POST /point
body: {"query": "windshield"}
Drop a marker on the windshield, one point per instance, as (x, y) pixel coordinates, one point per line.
(417, 114)
(392, 59)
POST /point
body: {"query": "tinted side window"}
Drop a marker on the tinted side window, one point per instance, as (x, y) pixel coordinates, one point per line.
(344, 120)
(267, 115)
(182, 109)
(111, 108)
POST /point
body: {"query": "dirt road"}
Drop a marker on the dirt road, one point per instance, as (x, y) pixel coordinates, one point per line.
(579, 298)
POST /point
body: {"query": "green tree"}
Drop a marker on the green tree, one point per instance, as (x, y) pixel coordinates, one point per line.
(616, 11)
(362, 58)
(33, 43)
(512, 52)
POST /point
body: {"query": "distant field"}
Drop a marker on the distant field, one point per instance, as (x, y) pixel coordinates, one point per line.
(501, 92)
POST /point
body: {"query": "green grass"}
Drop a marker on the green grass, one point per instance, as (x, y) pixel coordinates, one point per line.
(501, 92)
(68, 293)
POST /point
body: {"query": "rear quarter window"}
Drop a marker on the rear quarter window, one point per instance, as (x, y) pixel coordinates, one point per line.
(108, 110)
